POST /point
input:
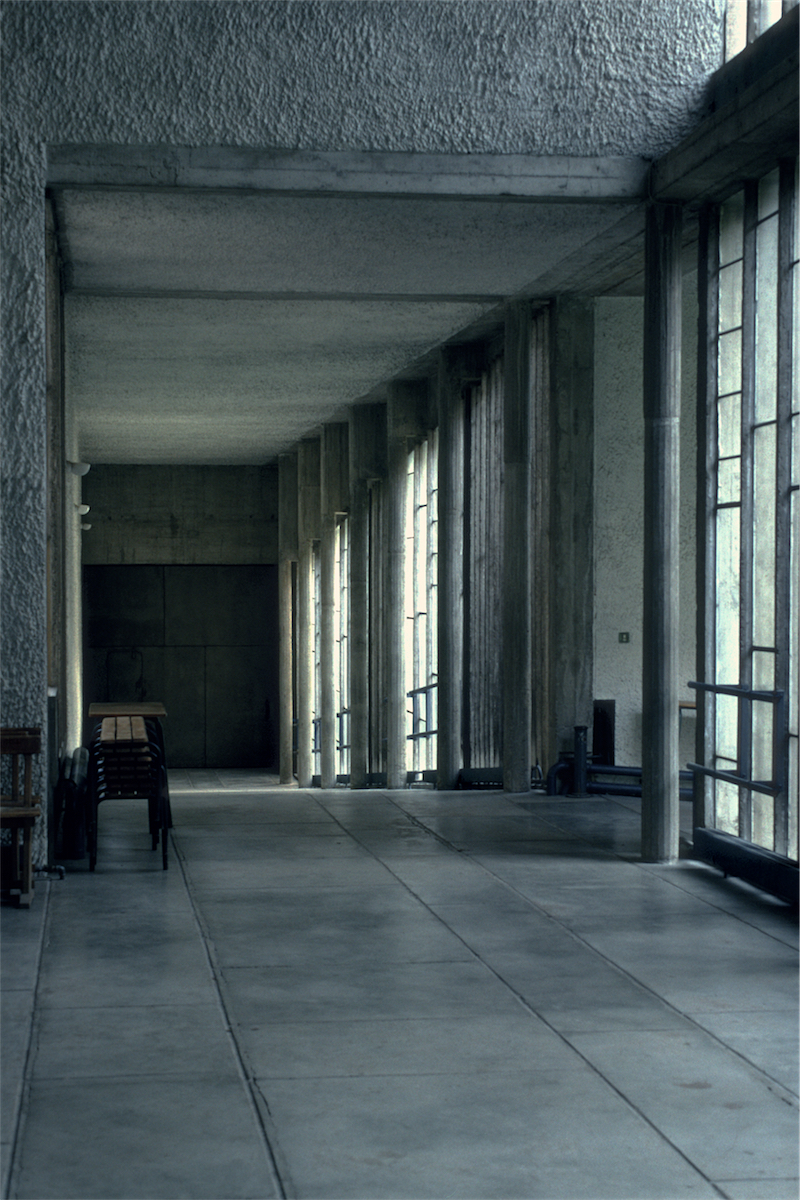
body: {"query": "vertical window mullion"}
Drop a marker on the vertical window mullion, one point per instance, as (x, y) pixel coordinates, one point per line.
(745, 731)
(787, 218)
(707, 441)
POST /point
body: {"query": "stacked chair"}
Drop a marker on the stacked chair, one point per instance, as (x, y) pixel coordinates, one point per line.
(126, 761)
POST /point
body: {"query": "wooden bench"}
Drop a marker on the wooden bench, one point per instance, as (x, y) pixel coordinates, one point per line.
(19, 811)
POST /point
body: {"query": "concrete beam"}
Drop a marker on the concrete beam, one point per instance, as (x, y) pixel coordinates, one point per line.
(463, 176)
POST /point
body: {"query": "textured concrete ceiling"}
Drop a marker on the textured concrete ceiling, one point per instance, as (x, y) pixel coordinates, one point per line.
(221, 326)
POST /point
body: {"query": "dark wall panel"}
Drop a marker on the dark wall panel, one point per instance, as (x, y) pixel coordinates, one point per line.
(184, 684)
(202, 639)
(126, 606)
(217, 605)
(238, 710)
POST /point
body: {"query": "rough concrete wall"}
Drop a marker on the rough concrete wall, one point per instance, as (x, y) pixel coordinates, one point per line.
(187, 515)
(619, 514)
(503, 76)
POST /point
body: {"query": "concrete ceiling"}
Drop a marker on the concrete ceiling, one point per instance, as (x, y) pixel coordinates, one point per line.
(220, 326)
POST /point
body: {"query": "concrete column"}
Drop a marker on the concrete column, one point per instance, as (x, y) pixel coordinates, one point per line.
(662, 378)
(517, 702)
(357, 642)
(451, 372)
(308, 519)
(571, 518)
(287, 554)
(407, 408)
(334, 500)
(327, 656)
(543, 737)
(367, 462)
(396, 764)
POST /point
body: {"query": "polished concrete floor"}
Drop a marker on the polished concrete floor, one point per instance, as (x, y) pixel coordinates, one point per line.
(395, 994)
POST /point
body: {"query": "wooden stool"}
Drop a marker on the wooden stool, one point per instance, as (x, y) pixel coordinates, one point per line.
(19, 810)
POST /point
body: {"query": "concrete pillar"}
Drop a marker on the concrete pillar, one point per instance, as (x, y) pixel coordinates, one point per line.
(327, 731)
(396, 766)
(517, 703)
(334, 502)
(407, 409)
(287, 554)
(308, 520)
(367, 462)
(543, 736)
(452, 370)
(571, 565)
(662, 378)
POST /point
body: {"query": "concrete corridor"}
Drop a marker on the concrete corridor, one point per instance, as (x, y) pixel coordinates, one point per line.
(406, 994)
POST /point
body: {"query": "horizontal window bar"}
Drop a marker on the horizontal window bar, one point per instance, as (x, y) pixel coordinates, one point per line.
(752, 785)
(730, 689)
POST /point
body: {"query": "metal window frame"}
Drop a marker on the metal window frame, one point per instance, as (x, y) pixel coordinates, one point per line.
(708, 507)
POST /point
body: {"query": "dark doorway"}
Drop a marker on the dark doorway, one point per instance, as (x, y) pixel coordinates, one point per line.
(202, 639)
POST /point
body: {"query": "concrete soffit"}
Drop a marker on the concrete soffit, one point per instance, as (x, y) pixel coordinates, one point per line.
(593, 246)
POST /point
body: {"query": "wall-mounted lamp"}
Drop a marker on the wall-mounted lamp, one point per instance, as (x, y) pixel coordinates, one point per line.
(79, 468)
(84, 525)
(83, 509)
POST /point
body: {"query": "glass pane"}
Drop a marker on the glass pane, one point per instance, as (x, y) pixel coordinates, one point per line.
(763, 817)
(731, 222)
(762, 807)
(794, 619)
(729, 368)
(728, 480)
(794, 790)
(764, 494)
(768, 189)
(735, 28)
(766, 319)
(729, 423)
(727, 632)
(727, 715)
(763, 670)
(730, 296)
(762, 737)
(726, 807)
